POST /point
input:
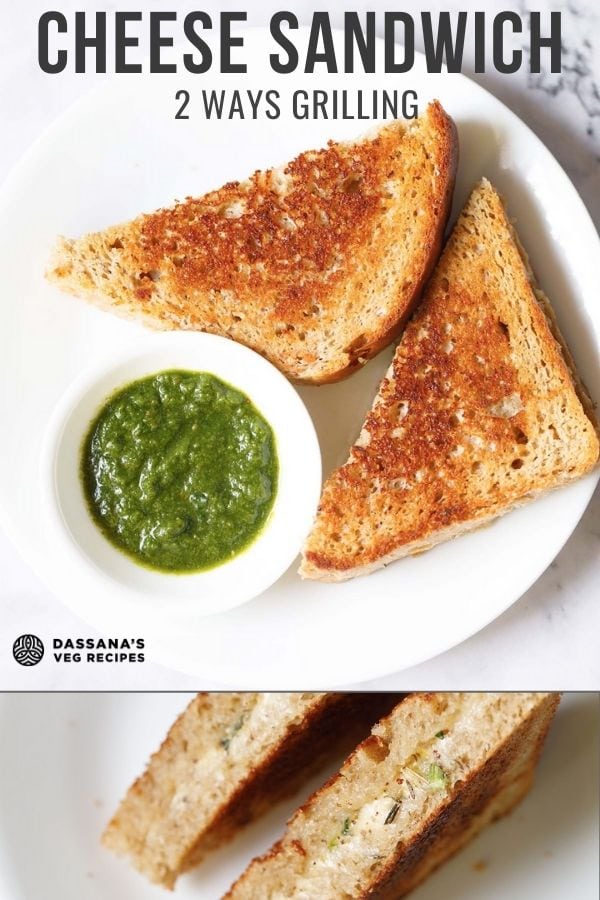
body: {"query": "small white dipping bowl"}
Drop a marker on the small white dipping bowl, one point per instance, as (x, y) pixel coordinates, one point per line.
(255, 568)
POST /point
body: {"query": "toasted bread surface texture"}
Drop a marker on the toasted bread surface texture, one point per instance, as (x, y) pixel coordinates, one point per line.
(225, 761)
(429, 777)
(480, 411)
(315, 265)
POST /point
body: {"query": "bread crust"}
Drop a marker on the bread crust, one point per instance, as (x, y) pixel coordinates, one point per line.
(480, 412)
(316, 265)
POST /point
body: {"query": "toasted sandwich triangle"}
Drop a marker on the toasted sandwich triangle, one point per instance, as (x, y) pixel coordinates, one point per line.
(224, 762)
(430, 776)
(315, 265)
(480, 411)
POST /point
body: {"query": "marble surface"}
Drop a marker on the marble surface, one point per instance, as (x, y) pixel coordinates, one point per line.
(548, 639)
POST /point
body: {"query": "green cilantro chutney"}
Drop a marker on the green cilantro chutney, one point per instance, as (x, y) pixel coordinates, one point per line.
(180, 471)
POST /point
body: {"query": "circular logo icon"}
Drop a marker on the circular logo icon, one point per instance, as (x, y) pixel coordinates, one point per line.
(28, 650)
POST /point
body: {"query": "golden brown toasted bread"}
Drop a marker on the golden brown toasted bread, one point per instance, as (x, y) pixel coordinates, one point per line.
(315, 265)
(479, 412)
(226, 760)
(429, 777)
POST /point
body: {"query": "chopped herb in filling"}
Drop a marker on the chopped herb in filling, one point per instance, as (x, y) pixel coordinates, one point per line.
(436, 777)
(347, 824)
(231, 733)
(392, 813)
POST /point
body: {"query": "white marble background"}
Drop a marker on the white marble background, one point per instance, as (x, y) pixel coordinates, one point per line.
(549, 639)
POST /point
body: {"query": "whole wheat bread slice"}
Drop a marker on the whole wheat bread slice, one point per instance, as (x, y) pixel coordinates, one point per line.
(480, 411)
(315, 265)
(431, 775)
(225, 761)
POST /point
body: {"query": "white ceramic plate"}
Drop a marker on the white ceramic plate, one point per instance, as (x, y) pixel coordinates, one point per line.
(52, 813)
(121, 151)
